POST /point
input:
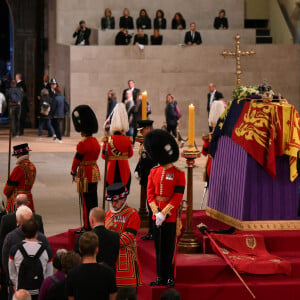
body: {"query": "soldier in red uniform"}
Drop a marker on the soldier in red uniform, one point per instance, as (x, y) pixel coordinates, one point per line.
(126, 221)
(166, 184)
(22, 178)
(85, 170)
(119, 148)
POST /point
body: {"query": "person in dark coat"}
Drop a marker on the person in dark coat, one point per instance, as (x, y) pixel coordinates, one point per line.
(160, 22)
(45, 115)
(221, 21)
(123, 38)
(178, 22)
(143, 21)
(108, 21)
(111, 102)
(171, 116)
(58, 113)
(24, 104)
(192, 37)
(131, 87)
(140, 38)
(109, 241)
(126, 20)
(82, 34)
(156, 38)
(213, 95)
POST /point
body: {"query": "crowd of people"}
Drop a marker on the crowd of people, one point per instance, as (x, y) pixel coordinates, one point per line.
(126, 22)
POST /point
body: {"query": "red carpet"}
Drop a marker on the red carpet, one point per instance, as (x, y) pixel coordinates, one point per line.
(207, 277)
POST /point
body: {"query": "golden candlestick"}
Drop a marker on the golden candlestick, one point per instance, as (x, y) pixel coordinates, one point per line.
(144, 105)
(191, 137)
(237, 54)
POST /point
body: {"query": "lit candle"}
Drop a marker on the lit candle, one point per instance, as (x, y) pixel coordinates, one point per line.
(144, 105)
(191, 138)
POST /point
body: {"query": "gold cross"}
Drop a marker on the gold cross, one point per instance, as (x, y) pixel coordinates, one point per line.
(237, 54)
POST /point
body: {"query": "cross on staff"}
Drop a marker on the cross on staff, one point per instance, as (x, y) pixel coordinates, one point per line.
(237, 54)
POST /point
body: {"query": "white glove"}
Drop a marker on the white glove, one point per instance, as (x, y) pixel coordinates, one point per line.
(159, 218)
(136, 175)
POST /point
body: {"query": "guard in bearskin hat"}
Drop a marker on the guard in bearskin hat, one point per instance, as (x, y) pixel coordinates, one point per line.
(142, 171)
(21, 179)
(165, 190)
(126, 222)
(85, 170)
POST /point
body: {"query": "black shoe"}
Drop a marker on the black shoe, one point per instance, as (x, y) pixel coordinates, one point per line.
(170, 283)
(147, 237)
(158, 282)
(82, 230)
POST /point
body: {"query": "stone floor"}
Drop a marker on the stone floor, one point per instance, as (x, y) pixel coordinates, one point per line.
(55, 196)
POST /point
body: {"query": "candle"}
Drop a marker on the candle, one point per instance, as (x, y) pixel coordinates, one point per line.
(191, 137)
(144, 105)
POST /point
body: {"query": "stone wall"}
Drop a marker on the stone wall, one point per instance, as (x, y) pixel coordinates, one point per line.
(182, 71)
(203, 12)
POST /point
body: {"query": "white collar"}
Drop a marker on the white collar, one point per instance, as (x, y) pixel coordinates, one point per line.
(117, 211)
(23, 157)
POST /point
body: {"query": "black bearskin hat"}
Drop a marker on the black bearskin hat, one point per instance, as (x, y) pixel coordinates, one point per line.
(161, 146)
(84, 119)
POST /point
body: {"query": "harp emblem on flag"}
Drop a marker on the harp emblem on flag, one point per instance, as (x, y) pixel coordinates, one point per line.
(250, 241)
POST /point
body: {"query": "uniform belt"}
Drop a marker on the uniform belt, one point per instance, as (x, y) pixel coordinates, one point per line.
(121, 157)
(162, 198)
(22, 191)
(88, 163)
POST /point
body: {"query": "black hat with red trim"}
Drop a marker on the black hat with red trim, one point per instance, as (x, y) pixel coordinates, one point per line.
(116, 191)
(21, 149)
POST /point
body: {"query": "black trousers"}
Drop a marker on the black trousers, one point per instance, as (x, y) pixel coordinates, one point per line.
(89, 201)
(164, 240)
(172, 130)
(57, 123)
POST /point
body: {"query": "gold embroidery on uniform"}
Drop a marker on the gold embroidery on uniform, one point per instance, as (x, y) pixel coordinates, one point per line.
(167, 209)
(153, 207)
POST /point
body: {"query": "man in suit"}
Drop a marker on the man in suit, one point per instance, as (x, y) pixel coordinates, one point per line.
(133, 89)
(109, 241)
(24, 104)
(212, 96)
(192, 37)
(82, 34)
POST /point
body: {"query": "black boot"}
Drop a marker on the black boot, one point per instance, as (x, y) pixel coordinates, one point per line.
(158, 282)
(148, 237)
(170, 282)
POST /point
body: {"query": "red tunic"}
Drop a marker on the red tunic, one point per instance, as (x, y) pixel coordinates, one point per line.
(126, 223)
(208, 164)
(20, 181)
(85, 162)
(119, 150)
(165, 191)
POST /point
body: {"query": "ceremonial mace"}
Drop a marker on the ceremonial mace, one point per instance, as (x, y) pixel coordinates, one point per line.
(105, 175)
(203, 229)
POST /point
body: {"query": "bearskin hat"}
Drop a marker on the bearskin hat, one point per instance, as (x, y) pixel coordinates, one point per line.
(84, 119)
(161, 146)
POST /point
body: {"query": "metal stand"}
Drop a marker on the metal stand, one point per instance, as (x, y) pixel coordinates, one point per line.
(188, 242)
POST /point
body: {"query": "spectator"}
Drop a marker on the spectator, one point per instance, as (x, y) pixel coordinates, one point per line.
(126, 20)
(170, 294)
(45, 114)
(123, 38)
(171, 115)
(29, 276)
(111, 102)
(160, 22)
(131, 86)
(45, 84)
(21, 295)
(108, 21)
(82, 34)
(24, 103)
(90, 279)
(109, 241)
(60, 108)
(178, 21)
(126, 293)
(68, 262)
(156, 38)
(130, 109)
(192, 37)
(53, 85)
(221, 21)
(2, 104)
(57, 276)
(127, 229)
(213, 95)
(140, 38)
(15, 99)
(143, 21)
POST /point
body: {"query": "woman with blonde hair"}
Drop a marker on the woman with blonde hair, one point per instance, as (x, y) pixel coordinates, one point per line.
(107, 21)
(119, 148)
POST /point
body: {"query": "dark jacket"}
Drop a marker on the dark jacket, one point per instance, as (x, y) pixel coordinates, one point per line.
(126, 23)
(109, 244)
(175, 24)
(217, 96)
(170, 113)
(82, 35)
(143, 40)
(188, 38)
(157, 25)
(156, 40)
(134, 94)
(110, 106)
(220, 23)
(123, 39)
(18, 94)
(104, 23)
(59, 106)
(144, 23)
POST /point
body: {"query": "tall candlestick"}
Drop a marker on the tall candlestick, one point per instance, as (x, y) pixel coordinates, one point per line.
(144, 105)
(191, 137)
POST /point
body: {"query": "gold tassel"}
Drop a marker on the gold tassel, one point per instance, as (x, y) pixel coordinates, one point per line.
(178, 226)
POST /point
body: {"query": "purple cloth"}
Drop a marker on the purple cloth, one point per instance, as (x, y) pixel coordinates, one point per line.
(239, 187)
(48, 282)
